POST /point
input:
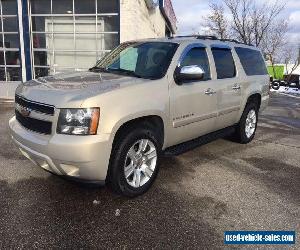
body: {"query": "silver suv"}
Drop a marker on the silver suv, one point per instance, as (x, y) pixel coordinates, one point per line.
(112, 123)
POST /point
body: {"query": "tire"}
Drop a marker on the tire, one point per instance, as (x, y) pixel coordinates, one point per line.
(244, 134)
(126, 157)
(275, 85)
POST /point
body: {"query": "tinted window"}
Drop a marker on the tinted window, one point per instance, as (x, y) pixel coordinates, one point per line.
(197, 56)
(224, 63)
(252, 61)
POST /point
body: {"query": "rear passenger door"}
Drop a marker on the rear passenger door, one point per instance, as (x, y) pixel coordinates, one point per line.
(228, 87)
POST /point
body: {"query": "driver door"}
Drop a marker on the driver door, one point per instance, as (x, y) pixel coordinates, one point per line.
(193, 104)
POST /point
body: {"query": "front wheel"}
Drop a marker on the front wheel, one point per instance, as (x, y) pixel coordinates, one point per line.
(135, 162)
(246, 128)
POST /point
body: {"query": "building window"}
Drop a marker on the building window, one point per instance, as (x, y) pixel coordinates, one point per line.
(9, 42)
(68, 35)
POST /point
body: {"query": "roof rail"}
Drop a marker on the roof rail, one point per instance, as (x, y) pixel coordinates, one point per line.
(229, 40)
(196, 36)
(204, 37)
(235, 41)
(207, 37)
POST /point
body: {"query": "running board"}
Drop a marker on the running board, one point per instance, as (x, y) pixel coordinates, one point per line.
(190, 145)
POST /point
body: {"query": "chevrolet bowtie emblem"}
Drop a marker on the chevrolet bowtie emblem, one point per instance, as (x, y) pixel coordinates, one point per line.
(25, 111)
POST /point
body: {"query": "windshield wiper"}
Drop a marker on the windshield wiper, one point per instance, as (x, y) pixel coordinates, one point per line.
(124, 71)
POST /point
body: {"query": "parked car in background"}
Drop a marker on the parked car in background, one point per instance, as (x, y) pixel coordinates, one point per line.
(112, 124)
(292, 80)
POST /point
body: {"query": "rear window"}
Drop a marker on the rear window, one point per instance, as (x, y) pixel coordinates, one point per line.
(224, 63)
(252, 61)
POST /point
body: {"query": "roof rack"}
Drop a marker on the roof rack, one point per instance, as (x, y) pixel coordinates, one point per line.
(210, 38)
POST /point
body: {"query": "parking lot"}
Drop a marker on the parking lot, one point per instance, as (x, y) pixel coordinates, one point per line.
(197, 196)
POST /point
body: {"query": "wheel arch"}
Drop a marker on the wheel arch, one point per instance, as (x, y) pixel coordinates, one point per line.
(255, 97)
(130, 123)
(155, 121)
(252, 97)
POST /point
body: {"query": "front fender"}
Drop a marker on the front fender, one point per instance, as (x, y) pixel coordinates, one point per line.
(124, 105)
(138, 115)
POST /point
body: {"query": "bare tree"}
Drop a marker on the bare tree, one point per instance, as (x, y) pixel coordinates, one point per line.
(248, 20)
(274, 41)
(252, 20)
(291, 58)
(217, 22)
(242, 25)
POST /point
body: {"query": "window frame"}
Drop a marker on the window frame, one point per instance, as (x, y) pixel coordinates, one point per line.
(73, 19)
(187, 49)
(6, 66)
(224, 48)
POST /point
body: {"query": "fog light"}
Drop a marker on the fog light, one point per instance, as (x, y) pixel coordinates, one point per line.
(70, 170)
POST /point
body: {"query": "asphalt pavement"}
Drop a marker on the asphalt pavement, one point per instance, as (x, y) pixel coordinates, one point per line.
(196, 197)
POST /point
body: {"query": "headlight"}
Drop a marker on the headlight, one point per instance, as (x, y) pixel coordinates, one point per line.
(78, 121)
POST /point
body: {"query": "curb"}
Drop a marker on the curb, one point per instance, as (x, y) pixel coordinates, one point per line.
(6, 102)
(289, 95)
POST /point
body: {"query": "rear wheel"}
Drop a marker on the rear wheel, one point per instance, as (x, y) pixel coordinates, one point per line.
(246, 128)
(135, 161)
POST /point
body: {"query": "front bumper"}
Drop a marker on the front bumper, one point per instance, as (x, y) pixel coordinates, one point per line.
(82, 157)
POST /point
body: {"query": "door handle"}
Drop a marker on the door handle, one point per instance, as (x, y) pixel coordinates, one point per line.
(210, 92)
(236, 87)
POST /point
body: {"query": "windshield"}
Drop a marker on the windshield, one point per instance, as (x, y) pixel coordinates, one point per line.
(148, 60)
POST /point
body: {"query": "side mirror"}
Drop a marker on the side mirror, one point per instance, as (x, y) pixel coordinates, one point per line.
(189, 73)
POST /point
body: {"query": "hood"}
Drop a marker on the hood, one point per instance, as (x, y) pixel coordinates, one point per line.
(73, 87)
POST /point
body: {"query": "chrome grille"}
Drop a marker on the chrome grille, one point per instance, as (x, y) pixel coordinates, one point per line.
(36, 106)
(24, 114)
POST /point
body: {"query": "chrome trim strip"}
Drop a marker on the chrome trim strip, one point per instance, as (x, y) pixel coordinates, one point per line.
(188, 121)
(49, 109)
(39, 103)
(194, 119)
(229, 110)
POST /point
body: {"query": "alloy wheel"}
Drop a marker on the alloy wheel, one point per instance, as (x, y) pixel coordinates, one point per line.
(140, 163)
(250, 125)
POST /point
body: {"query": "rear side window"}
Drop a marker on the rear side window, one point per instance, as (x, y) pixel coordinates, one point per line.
(224, 63)
(252, 61)
(197, 56)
